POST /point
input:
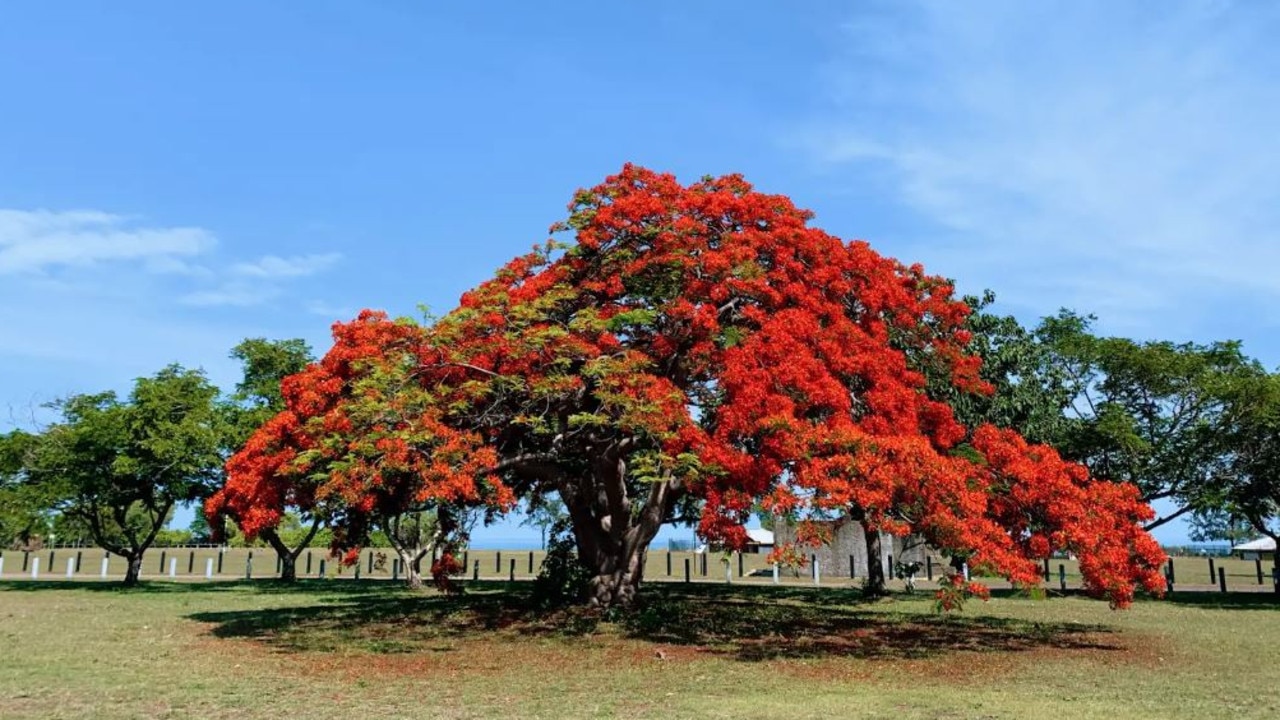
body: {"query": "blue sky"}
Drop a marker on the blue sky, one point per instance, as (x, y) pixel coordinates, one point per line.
(177, 176)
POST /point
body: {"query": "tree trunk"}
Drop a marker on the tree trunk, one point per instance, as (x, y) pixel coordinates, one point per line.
(289, 556)
(1275, 564)
(617, 582)
(411, 564)
(134, 570)
(288, 560)
(288, 567)
(875, 584)
(613, 540)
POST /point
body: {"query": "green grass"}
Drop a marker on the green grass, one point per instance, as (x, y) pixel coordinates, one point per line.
(353, 650)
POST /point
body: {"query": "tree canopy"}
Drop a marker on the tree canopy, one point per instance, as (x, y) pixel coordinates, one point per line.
(120, 466)
(1153, 413)
(702, 342)
(1250, 485)
(24, 507)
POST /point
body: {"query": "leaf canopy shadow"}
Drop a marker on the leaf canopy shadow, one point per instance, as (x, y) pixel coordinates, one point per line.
(744, 623)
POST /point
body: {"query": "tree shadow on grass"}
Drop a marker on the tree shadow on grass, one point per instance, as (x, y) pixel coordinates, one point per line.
(749, 624)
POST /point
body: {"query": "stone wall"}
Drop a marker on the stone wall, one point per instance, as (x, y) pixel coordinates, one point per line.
(847, 539)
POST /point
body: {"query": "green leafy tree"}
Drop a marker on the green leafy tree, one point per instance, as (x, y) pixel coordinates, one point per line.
(121, 466)
(543, 512)
(1251, 484)
(1032, 391)
(1149, 413)
(1220, 525)
(264, 363)
(25, 511)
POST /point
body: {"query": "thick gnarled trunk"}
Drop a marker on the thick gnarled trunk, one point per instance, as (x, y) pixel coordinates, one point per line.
(613, 539)
(616, 582)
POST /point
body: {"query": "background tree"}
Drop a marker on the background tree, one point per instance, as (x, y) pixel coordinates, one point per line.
(264, 364)
(543, 512)
(1031, 389)
(1220, 525)
(1149, 413)
(1251, 482)
(256, 399)
(120, 467)
(415, 535)
(25, 511)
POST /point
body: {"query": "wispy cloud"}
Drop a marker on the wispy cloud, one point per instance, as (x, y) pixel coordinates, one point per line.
(259, 281)
(33, 241)
(272, 266)
(1117, 157)
(329, 310)
(232, 294)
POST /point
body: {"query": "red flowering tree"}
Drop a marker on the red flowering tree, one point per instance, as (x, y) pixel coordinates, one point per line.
(704, 343)
(361, 445)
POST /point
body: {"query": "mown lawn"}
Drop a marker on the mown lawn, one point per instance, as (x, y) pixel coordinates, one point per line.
(340, 649)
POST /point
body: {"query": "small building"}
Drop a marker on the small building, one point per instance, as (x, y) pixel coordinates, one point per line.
(759, 541)
(1264, 549)
(848, 543)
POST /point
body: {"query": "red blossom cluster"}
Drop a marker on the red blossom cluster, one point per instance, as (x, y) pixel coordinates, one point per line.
(360, 437)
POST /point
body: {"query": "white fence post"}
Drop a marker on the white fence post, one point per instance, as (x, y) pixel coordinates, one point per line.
(966, 572)
(1, 564)
(71, 567)
(105, 561)
(35, 568)
(817, 572)
(173, 567)
(208, 568)
(775, 573)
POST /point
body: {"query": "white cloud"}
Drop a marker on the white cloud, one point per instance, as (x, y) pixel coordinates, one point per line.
(232, 294)
(1115, 157)
(331, 311)
(272, 266)
(257, 282)
(33, 241)
(119, 256)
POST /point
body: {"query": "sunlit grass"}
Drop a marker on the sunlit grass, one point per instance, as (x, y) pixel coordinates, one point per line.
(349, 650)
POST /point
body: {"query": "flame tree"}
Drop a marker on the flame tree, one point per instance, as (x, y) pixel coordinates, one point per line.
(701, 344)
(360, 445)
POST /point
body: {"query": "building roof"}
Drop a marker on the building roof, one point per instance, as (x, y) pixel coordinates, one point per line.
(760, 536)
(1264, 544)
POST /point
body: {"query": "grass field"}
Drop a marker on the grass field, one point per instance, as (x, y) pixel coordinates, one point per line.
(331, 649)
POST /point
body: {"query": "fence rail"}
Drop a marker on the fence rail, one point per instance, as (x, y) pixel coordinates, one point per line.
(205, 563)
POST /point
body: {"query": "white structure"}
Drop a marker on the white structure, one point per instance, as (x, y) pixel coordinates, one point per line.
(1255, 549)
(759, 540)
